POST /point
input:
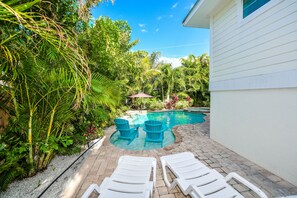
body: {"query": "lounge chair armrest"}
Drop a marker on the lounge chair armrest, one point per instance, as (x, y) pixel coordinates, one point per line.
(163, 162)
(148, 194)
(246, 183)
(89, 191)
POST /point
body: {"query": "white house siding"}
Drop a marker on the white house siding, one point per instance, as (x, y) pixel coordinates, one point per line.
(263, 45)
(253, 84)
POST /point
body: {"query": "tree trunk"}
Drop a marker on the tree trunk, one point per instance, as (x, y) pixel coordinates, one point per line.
(50, 125)
(47, 159)
(31, 162)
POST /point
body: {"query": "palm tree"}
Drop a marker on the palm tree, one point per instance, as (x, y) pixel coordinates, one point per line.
(169, 80)
(196, 72)
(154, 57)
(45, 82)
(32, 45)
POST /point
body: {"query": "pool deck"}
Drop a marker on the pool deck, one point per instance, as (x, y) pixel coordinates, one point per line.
(194, 138)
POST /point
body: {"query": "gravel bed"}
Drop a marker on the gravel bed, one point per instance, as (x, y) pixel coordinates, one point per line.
(33, 186)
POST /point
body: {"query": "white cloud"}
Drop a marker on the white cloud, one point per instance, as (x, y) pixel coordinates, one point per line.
(171, 16)
(175, 62)
(157, 30)
(143, 30)
(159, 18)
(141, 25)
(174, 5)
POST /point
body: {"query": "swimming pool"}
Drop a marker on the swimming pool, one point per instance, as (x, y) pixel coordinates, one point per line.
(170, 118)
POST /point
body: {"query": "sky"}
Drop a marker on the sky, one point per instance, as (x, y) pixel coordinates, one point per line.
(157, 24)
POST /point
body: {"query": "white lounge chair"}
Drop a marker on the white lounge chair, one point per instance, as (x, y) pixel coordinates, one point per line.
(197, 180)
(131, 179)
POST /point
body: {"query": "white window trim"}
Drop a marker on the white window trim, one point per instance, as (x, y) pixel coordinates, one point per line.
(256, 13)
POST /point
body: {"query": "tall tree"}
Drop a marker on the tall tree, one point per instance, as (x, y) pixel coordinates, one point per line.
(196, 72)
(107, 45)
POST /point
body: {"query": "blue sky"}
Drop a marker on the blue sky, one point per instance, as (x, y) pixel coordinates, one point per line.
(158, 25)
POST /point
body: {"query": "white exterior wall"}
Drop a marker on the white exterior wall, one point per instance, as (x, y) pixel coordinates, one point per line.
(260, 44)
(260, 125)
(253, 84)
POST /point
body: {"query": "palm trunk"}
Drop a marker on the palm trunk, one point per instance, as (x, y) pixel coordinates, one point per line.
(163, 98)
(29, 135)
(47, 159)
(168, 93)
(16, 105)
(49, 130)
(162, 89)
(31, 162)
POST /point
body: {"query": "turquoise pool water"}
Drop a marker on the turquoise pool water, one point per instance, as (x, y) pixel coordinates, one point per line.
(170, 118)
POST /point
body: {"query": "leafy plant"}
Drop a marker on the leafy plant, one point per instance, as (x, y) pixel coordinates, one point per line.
(182, 104)
(66, 141)
(12, 161)
(155, 104)
(171, 103)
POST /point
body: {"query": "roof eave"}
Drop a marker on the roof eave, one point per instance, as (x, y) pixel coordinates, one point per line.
(199, 15)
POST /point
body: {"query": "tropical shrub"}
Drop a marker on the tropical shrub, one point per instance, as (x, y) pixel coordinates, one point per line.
(181, 104)
(190, 101)
(170, 104)
(138, 103)
(120, 111)
(13, 160)
(182, 95)
(156, 104)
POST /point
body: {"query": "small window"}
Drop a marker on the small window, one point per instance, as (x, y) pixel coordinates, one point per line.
(250, 6)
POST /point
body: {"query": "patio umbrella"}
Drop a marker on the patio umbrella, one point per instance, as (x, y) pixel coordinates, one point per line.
(141, 95)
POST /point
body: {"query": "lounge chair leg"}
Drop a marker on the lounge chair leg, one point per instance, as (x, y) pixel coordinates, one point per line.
(154, 173)
(173, 185)
(130, 141)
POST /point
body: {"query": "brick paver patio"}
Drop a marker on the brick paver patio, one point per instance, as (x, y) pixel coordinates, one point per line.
(194, 138)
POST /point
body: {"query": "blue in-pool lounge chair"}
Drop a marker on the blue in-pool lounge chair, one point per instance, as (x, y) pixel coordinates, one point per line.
(154, 131)
(126, 131)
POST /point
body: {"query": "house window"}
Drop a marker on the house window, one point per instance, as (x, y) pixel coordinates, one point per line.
(250, 6)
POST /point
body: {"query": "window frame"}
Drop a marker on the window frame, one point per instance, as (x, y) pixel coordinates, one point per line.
(256, 13)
